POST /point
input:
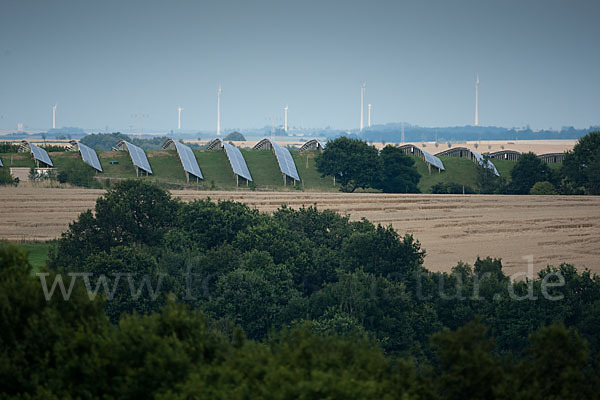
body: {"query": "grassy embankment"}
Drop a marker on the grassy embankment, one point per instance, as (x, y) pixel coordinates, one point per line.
(37, 253)
(263, 167)
(214, 165)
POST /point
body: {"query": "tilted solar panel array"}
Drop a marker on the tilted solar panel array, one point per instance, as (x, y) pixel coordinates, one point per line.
(138, 157)
(188, 160)
(433, 160)
(238, 164)
(285, 160)
(89, 156)
(40, 154)
(488, 163)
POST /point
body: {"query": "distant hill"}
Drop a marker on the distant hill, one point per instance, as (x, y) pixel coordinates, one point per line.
(106, 141)
(235, 137)
(413, 133)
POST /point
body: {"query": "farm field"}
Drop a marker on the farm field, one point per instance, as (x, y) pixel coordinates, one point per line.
(551, 229)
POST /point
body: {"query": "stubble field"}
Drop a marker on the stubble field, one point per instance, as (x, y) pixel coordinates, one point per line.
(550, 229)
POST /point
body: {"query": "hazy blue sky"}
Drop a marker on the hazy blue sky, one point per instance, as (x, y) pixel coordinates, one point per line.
(103, 61)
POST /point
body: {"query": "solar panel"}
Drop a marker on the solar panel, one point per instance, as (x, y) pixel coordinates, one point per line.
(40, 154)
(433, 160)
(138, 157)
(1, 165)
(488, 163)
(238, 164)
(89, 156)
(285, 160)
(189, 162)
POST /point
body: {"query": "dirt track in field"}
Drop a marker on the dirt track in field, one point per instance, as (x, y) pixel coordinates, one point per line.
(552, 229)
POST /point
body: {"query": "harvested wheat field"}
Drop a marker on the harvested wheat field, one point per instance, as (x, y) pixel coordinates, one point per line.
(551, 229)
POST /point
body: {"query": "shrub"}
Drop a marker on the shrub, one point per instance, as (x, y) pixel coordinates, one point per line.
(543, 188)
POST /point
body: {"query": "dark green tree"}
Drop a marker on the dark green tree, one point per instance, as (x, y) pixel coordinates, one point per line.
(399, 174)
(581, 166)
(527, 172)
(352, 162)
(557, 367)
(133, 212)
(468, 368)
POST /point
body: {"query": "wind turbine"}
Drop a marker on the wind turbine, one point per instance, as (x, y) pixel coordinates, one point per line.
(54, 116)
(369, 116)
(219, 111)
(179, 110)
(285, 109)
(477, 101)
(362, 105)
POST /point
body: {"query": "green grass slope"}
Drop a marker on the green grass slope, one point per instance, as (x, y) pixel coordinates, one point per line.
(262, 164)
(264, 169)
(216, 169)
(37, 253)
(17, 160)
(458, 170)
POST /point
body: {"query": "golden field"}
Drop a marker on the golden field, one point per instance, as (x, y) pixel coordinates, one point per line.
(551, 229)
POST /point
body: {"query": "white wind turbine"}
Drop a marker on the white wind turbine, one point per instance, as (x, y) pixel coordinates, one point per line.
(179, 110)
(54, 116)
(362, 105)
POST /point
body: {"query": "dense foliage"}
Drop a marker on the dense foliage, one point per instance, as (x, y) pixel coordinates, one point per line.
(528, 170)
(57, 349)
(54, 148)
(451, 188)
(267, 272)
(543, 188)
(6, 178)
(74, 172)
(352, 162)
(355, 164)
(581, 167)
(8, 147)
(398, 172)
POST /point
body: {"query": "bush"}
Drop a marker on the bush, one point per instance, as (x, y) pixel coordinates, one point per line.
(543, 188)
(78, 174)
(6, 178)
(451, 188)
(235, 137)
(7, 147)
(527, 172)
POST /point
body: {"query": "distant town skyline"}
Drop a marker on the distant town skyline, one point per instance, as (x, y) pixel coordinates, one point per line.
(104, 64)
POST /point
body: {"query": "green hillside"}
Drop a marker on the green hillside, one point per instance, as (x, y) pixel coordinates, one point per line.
(458, 170)
(17, 160)
(264, 168)
(305, 164)
(262, 165)
(215, 169)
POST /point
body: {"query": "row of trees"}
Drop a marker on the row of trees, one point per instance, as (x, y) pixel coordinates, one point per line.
(265, 272)
(579, 173)
(56, 349)
(356, 165)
